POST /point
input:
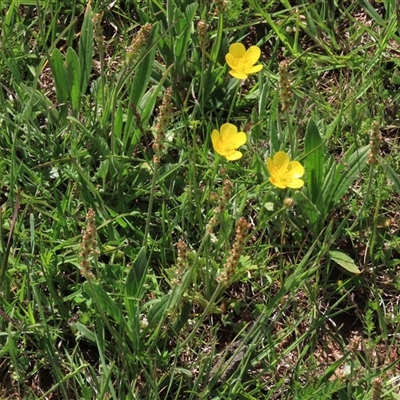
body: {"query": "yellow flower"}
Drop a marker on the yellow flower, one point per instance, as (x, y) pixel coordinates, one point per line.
(241, 61)
(227, 141)
(285, 173)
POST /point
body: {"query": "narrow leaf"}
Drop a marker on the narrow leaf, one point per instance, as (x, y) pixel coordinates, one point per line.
(85, 49)
(280, 32)
(60, 82)
(85, 332)
(59, 75)
(143, 70)
(394, 177)
(103, 300)
(309, 210)
(344, 261)
(370, 10)
(355, 164)
(73, 76)
(314, 160)
(136, 275)
(182, 318)
(157, 312)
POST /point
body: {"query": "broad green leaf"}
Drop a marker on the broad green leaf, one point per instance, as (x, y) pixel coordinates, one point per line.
(149, 99)
(85, 49)
(274, 139)
(309, 210)
(370, 10)
(183, 28)
(324, 203)
(344, 261)
(134, 282)
(394, 177)
(85, 332)
(59, 75)
(314, 160)
(139, 85)
(182, 318)
(134, 292)
(355, 162)
(118, 121)
(96, 140)
(103, 300)
(143, 70)
(157, 312)
(73, 76)
(396, 78)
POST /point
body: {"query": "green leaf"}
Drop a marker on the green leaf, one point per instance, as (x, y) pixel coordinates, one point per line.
(118, 122)
(279, 30)
(143, 70)
(139, 84)
(265, 89)
(274, 139)
(344, 261)
(85, 49)
(183, 30)
(73, 77)
(182, 318)
(149, 99)
(103, 300)
(59, 75)
(355, 162)
(85, 332)
(134, 282)
(309, 210)
(156, 314)
(96, 140)
(314, 160)
(392, 175)
(370, 10)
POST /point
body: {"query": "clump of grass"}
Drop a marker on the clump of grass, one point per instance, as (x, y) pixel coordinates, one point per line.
(194, 275)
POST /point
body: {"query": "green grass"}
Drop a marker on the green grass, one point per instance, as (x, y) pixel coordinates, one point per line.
(136, 305)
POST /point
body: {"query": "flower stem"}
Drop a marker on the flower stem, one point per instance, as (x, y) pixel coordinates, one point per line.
(151, 200)
(293, 147)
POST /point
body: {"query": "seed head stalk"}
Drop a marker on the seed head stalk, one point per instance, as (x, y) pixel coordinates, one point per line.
(285, 94)
(158, 147)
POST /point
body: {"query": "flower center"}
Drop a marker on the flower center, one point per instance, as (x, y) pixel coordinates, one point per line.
(241, 63)
(281, 171)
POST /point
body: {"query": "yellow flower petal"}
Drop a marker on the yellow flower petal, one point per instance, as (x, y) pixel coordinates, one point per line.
(239, 139)
(283, 172)
(281, 159)
(227, 141)
(241, 61)
(270, 165)
(238, 75)
(237, 50)
(296, 169)
(216, 141)
(277, 182)
(255, 69)
(253, 53)
(230, 60)
(227, 131)
(235, 155)
(295, 184)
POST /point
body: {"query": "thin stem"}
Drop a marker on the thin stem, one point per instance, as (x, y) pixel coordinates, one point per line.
(234, 98)
(152, 190)
(293, 147)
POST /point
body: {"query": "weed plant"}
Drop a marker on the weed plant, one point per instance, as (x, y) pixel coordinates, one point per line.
(199, 199)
